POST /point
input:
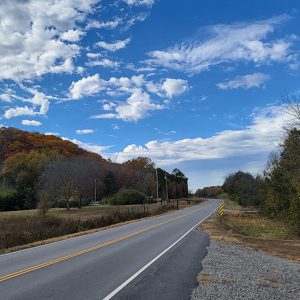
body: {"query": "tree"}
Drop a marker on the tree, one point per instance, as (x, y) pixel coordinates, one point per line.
(22, 171)
(209, 192)
(58, 180)
(282, 183)
(139, 163)
(243, 188)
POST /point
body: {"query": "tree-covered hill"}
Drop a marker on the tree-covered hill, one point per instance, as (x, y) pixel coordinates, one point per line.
(14, 141)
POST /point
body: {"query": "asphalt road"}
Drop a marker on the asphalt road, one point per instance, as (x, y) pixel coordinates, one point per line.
(156, 258)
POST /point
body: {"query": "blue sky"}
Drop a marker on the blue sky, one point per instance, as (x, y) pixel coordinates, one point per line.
(191, 84)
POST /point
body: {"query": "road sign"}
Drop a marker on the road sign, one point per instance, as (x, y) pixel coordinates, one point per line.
(221, 209)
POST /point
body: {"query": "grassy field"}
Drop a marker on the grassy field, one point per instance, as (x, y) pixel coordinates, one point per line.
(255, 231)
(87, 212)
(19, 228)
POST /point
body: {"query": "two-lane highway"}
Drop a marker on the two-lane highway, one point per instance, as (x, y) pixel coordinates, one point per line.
(104, 264)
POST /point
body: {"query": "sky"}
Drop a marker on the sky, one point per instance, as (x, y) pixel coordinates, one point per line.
(197, 85)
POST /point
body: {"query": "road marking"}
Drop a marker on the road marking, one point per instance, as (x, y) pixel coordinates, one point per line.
(124, 284)
(90, 249)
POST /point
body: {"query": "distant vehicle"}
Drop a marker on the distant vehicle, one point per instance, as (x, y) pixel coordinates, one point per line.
(156, 200)
(94, 203)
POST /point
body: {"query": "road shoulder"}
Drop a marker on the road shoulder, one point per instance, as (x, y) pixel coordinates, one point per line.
(232, 271)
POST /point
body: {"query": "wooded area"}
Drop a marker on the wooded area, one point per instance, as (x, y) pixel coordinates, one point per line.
(46, 171)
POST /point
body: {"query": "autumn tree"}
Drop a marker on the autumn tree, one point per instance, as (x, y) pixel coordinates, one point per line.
(22, 172)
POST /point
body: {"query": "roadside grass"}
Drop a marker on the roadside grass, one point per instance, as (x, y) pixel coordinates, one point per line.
(22, 229)
(87, 212)
(253, 230)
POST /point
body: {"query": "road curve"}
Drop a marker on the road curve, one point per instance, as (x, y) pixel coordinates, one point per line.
(101, 265)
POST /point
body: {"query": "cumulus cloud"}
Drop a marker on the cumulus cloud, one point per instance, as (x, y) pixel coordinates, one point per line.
(260, 137)
(248, 81)
(85, 87)
(244, 42)
(108, 106)
(114, 46)
(84, 131)
(19, 111)
(31, 123)
(29, 36)
(174, 87)
(137, 107)
(72, 35)
(138, 104)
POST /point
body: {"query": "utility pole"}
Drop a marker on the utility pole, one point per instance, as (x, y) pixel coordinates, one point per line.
(156, 184)
(167, 194)
(177, 203)
(95, 190)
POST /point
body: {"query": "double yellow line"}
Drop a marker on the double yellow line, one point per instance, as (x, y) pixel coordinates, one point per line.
(87, 250)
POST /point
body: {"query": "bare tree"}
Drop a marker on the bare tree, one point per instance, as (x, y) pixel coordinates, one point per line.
(292, 102)
(58, 179)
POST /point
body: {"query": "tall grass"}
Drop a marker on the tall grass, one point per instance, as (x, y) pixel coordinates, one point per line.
(16, 229)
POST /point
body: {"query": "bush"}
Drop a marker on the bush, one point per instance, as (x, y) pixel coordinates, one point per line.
(9, 200)
(125, 197)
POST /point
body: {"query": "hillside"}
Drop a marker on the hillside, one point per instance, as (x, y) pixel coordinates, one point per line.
(14, 141)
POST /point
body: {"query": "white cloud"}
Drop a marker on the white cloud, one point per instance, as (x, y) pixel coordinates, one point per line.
(137, 107)
(115, 127)
(124, 85)
(174, 87)
(140, 2)
(245, 42)
(260, 137)
(135, 19)
(248, 81)
(88, 146)
(39, 99)
(29, 31)
(31, 123)
(72, 35)
(93, 55)
(138, 104)
(5, 97)
(108, 106)
(84, 131)
(19, 111)
(117, 45)
(85, 87)
(105, 116)
(106, 63)
(104, 25)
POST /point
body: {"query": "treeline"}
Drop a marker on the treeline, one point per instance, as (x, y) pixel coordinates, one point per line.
(46, 171)
(209, 192)
(277, 191)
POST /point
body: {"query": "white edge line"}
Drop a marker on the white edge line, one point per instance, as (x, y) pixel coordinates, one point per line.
(100, 230)
(125, 283)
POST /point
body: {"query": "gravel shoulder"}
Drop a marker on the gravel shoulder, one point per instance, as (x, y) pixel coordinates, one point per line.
(232, 271)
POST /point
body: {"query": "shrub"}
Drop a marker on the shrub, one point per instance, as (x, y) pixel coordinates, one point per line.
(128, 196)
(9, 200)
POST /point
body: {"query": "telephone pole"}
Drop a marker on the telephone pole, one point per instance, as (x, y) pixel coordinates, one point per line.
(156, 184)
(95, 190)
(167, 194)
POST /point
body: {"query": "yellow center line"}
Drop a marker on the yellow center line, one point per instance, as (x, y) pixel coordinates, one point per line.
(87, 250)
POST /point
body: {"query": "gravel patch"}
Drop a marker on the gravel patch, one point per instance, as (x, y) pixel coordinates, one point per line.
(236, 272)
